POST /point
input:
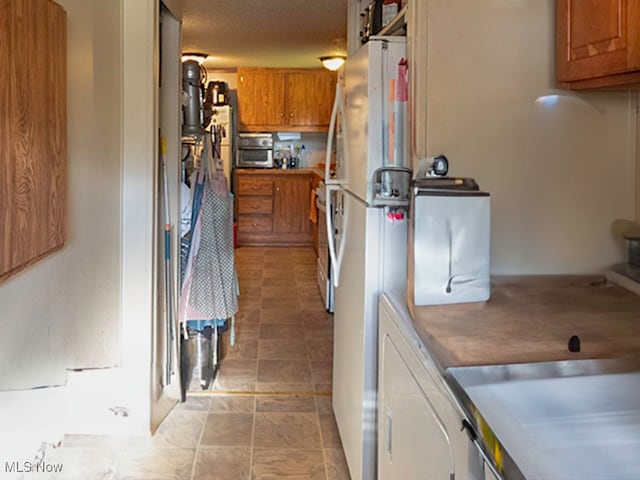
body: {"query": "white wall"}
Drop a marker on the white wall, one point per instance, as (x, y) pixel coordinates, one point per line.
(92, 304)
(314, 143)
(558, 175)
(64, 312)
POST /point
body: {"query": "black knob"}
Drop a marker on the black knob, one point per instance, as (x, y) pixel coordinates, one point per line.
(574, 344)
(440, 166)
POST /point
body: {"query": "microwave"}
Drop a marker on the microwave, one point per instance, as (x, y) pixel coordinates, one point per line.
(254, 150)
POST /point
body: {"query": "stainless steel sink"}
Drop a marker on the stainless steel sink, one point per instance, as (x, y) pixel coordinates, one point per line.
(558, 420)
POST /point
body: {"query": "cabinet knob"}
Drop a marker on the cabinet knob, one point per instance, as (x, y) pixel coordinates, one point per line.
(291, 114)
(281, 114)
(277, 189)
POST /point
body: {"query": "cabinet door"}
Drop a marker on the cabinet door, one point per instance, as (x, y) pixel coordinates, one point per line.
(291, 204)
(255, 205)
(254, 185)
(33, 132)
(414, 442)
(310, 97)
(261, 98)
(253, 224)
(597, 38)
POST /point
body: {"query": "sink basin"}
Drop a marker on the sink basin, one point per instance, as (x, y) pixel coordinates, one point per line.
(560, 420)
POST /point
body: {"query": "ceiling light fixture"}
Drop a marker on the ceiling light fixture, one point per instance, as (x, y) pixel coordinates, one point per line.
(197, 56)
(333, 62)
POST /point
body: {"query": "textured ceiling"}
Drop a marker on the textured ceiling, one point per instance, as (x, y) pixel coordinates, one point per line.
(264, 33)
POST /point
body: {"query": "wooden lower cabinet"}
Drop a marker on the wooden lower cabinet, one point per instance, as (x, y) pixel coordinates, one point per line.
(249, 225)
(291, 206)
(273, 208)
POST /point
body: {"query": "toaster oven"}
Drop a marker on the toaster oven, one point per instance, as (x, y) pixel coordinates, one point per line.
(254, 150)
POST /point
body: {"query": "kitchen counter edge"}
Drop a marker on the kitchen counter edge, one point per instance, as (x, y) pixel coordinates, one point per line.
(279, 171)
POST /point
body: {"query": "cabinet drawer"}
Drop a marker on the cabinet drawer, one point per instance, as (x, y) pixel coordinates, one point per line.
(259, 205)
(255, 186)
(254, 224)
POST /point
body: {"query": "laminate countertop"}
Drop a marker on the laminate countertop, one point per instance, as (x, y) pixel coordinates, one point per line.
(531, 319)
(278, 171)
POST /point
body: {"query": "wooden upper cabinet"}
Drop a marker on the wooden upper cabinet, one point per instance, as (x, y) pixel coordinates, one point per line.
(271, 99)
(310, 97)
(261, 99)
(33, 132)
(598, 44)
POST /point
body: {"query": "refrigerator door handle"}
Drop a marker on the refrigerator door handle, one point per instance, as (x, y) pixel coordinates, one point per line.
(331, 236)
(336, 252)
(337, 105)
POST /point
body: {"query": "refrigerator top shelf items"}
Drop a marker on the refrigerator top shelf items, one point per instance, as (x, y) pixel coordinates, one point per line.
(397, 26)
(382, 18)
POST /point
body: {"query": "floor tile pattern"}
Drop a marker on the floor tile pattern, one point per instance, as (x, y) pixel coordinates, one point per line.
(269, 415)
(284, 336)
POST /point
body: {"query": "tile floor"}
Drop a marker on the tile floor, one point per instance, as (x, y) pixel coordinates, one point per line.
(284, 336)
(269, 415)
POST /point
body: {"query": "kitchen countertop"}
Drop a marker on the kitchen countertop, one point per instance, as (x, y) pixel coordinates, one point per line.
(279, 171)
(537, 412)
(531, 319)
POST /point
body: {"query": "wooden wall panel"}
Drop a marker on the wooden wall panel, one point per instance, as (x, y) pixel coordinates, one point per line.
(57, 120)
(6, 164)
(32, 131)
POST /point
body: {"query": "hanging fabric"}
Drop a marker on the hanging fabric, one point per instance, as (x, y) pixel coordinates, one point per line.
(209, 290)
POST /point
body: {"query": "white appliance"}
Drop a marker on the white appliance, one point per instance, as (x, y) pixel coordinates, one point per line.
(324, 276)
(254, 150)
(449, 242)
(221, 117)
(368, 250)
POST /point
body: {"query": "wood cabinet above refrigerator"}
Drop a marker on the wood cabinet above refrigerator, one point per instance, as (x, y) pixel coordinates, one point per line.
(273, 99)
(598, 44)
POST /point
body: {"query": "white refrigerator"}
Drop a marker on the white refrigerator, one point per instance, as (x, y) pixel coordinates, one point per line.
(368, 249)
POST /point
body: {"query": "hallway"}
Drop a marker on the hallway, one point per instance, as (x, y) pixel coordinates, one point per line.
(284, 336)
(269, 415)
